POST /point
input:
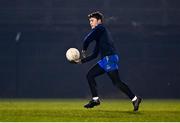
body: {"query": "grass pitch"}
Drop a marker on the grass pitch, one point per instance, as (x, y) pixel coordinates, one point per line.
(22, 110)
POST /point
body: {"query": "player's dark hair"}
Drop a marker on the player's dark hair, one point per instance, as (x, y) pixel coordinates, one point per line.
(97, 15)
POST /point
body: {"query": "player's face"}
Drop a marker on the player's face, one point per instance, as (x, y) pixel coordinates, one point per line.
(94, 22)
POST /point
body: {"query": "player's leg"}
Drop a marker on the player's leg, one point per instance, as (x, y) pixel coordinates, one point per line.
(95, 71)
(114, 75)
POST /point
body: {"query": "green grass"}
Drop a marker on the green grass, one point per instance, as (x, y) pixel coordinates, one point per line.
(72, 110)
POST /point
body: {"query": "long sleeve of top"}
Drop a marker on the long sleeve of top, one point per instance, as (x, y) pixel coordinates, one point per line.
(92, 56)
(104, 43)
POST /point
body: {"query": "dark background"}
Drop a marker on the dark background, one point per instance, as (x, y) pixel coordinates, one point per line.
(35, 34)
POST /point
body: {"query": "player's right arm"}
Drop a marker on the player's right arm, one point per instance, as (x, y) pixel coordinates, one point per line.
(92, 56)
(88, 58)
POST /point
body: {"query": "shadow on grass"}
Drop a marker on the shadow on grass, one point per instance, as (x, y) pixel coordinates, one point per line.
(119, 111)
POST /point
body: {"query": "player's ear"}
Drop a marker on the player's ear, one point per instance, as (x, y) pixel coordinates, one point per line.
(99, 21)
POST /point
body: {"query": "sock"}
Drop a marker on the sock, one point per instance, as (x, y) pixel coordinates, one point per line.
(135, 98)
(95, 98)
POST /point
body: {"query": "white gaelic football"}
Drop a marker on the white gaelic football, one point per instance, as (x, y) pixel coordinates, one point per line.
(72, 54)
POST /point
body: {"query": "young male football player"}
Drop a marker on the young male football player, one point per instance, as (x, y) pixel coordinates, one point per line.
(107, 64)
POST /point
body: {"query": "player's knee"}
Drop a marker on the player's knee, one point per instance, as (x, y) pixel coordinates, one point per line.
(89, 75)
(117, 82)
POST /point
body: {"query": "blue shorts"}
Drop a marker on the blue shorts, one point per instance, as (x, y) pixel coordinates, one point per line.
(109, 63)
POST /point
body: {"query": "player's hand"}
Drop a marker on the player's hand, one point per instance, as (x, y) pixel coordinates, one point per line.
(83, 52)
(72, 62)
(78, 61)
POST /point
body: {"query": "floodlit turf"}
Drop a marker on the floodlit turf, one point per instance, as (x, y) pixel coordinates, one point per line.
(72, 110)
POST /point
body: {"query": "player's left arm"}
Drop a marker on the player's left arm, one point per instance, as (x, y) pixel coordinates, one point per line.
(93, 35)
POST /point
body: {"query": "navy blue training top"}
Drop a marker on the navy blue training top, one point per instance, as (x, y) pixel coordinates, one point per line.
(104, 43)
